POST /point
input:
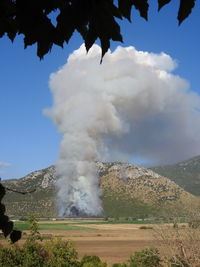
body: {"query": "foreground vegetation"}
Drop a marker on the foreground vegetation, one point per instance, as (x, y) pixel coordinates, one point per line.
(59, 253)
(177, 245)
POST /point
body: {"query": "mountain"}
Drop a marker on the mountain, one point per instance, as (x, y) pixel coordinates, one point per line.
(128, 191)
(186, 174)
(41, 202)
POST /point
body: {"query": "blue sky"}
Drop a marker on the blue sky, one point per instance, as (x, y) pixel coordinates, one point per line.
(29, 140)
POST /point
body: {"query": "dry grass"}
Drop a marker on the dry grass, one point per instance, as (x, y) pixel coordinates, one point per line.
(179, 242)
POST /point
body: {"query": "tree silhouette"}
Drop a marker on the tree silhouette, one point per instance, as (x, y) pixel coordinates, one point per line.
(93, 19)
(5, 224)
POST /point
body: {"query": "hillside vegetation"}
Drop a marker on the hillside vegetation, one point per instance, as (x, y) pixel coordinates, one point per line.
(127, 191)
(186, 174)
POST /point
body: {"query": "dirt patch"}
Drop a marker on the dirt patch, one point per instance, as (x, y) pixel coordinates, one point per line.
(112, 251)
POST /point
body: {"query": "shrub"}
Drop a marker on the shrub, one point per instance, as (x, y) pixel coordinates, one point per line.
(145, 258)
(54, 253)
(144, 227)
(60, 253)
(92, 261)
(34, 232)
(32, 254)
(120, 265)
(177, 261)
(175, 225)
(194, 224)
(10, 257)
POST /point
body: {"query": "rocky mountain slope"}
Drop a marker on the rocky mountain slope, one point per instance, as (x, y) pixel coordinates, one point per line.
(186, 174)
(128, 191)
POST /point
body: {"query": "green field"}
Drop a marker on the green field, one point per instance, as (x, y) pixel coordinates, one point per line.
(50, 226)
(119, 222)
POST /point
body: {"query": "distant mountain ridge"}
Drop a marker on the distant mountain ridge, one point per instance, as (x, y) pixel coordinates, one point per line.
(128, 191)
(185, 173)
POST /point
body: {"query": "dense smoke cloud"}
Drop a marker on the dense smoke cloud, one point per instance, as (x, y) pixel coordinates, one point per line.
(131, 105)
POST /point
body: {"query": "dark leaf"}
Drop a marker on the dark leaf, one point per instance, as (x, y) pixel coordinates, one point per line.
(3, 221)
(12, 29)
(83, 30)
(142, 6)
(65, 23)
(90, 39)
(185, 9)
(43, 48)
(49, 5)
(114, 10)
(73, 17)
(7, 228)
(11, 35)
(102, 25)
(125, 8)
(93, 19)
(7, 20)
(2, 209)
(162, 3)
(105, 45)
(42, 33)
(115, 34)
(15, 236)
(2, 191)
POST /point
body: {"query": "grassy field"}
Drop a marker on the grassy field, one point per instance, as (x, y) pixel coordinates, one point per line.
(51, 226)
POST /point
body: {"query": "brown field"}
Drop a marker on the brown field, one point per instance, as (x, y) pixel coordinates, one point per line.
(112, 243)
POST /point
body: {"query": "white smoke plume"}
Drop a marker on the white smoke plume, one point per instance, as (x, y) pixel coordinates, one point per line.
(131, 105)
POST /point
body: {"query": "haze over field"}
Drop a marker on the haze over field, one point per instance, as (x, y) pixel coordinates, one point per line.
(130, 106)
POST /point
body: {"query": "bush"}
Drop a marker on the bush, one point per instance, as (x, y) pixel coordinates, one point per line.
(10, 257)
(194, 224)
(60, 253)
(144, 227)
(29, 256)
(92, 261)
(34, 232)
(120, 265)
(145, 258)
(177, 261)
(32, 255)
(175, 225)
(54, 253)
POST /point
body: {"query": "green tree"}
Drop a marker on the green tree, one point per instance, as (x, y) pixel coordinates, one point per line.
(34, 228)
(5, 224)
